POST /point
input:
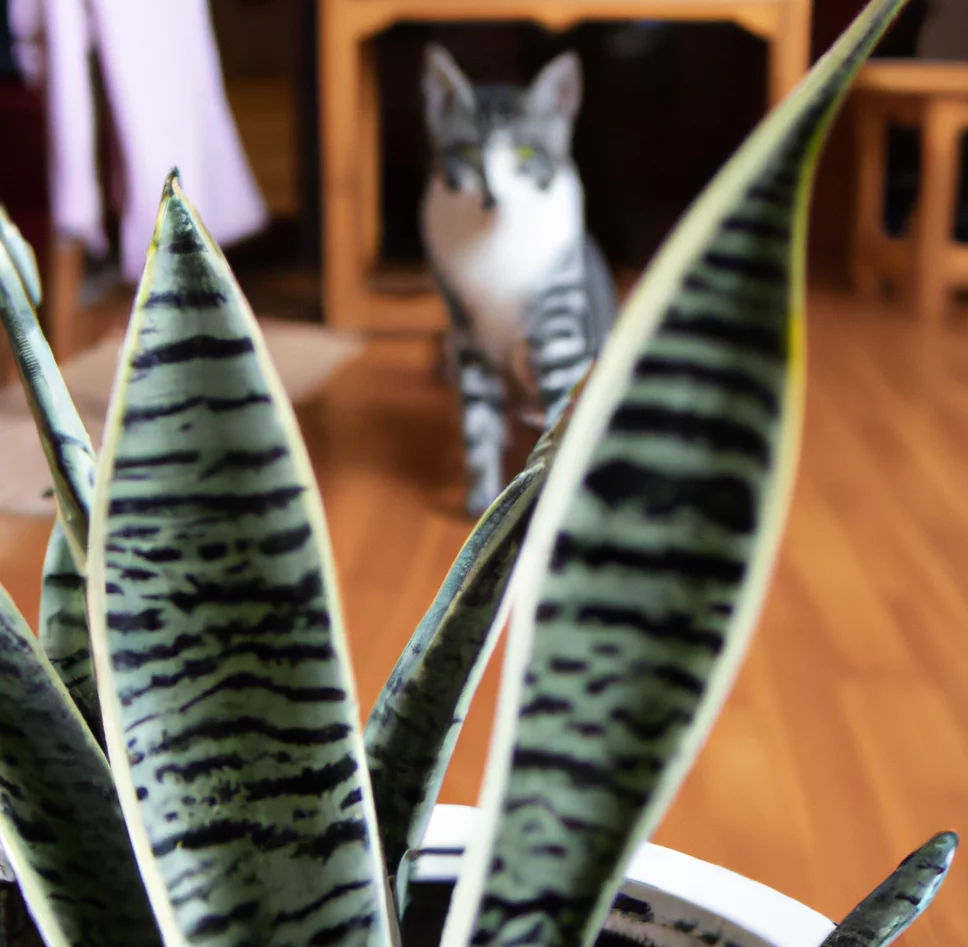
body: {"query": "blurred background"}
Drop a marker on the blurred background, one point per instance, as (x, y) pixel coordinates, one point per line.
(845, 743)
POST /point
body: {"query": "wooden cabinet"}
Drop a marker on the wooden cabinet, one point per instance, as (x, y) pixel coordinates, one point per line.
(349, 124)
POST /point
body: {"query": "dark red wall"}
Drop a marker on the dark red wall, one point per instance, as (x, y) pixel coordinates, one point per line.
(23, 163)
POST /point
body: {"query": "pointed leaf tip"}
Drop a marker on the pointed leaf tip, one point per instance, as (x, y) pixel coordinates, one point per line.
(178, 230)
(172, 183)
(22, 255)
(897, 902)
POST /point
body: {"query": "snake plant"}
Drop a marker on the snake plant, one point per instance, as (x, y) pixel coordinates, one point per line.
(181, 759)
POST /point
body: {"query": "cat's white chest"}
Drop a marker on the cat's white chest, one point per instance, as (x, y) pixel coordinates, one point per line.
(496, 260)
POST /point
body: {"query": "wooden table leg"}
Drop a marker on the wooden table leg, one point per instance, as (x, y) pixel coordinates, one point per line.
(340, 101)
(60, 308)
(8, 367)
(789, 55)
(940, 149)
(370, 212)
(871, 139)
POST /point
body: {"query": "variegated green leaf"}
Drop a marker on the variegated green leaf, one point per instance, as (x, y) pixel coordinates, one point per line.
(61, 827)
(22, 255)
(62, 627)
(412, 731)
(225, 685)
(651, 546)
(890, 909)
(63, 618)
(64, 439)
(414, 725)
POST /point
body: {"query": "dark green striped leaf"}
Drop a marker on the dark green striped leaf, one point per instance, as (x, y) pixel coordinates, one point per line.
(652, 544)
(414, 725)
(413, 728)
(61, 827)
(63, 629)
(890, 909)
(64, 439)
(63, 614)
(225, 686)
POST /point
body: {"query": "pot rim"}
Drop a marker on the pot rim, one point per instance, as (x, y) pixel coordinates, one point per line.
(750, 905)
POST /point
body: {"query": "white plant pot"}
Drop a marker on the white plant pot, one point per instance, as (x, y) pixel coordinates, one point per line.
(671, 899)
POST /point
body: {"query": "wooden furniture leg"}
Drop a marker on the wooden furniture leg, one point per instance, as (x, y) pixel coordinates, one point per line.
(340, 72)
(8, 367)
(370, 217)
(789, 52)
(871, 138)
(60, 305)
(940, 151)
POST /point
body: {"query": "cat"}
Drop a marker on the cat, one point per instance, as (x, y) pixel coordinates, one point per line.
(530, 296)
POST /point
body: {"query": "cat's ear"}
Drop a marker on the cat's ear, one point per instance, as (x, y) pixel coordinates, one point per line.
(445, 86)
(557, 88)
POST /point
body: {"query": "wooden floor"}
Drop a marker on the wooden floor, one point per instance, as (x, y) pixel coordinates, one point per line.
(845, 742)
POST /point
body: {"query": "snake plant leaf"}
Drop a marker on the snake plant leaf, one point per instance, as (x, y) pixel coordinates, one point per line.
(22, 255)
(897, 902)
(413, 728)
(61, 825)
(225, 686)
(64, 439)
(652, 543)
(63, 617)
(62, 627)
(414, 725)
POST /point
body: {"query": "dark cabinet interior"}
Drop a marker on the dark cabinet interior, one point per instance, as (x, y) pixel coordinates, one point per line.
(664, 106)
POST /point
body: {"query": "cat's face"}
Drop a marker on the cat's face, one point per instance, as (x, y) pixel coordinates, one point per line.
(494, 142)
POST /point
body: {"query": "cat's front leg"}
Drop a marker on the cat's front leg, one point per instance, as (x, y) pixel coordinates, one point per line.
(559, 360)
(484, 429)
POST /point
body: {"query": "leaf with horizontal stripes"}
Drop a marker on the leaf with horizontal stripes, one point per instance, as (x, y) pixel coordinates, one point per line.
(63, 613)
(62, 627)
(61, 826)
(63, 436)
(225, 685)
(651, 547)
(890, 909)
(414, 725)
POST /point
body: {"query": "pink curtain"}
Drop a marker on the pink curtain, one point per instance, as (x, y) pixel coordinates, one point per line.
(164, 84)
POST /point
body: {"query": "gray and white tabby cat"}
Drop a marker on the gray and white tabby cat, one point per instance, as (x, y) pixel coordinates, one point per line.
(530, 296)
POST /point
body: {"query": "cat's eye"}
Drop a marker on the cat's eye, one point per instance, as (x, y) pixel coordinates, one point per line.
(526, 152)
(468, 152)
